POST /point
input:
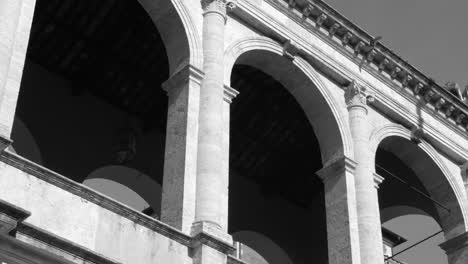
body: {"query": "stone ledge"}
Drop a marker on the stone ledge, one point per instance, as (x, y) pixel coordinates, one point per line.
(64, 245)
(204, 233)
(234, 260)
(455, 243)
(17, 250)
(5, 142)
(93, 196)
(10, 216)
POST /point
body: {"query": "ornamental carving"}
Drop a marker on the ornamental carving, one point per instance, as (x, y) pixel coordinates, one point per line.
(217, 6)
(355, 95)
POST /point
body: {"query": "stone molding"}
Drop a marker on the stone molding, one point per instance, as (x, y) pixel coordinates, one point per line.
(204, 233)
(182, 78)
(455, 244)
(378, 180)
(69, 247)
(234, 260)
(290, 49)
(356, 96)
(367, 47)
(11, 216)
(19, 252)
(5, 142)
(229, 94)
(337, 168)
(93, 196)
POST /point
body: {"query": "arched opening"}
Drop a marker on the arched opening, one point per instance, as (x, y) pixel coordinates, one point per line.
(275, 151)
(425, 202)
(91, 89)
(128, 186)
(256, 248)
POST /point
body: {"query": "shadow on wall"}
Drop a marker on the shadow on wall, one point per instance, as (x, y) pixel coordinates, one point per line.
(256, 248)
(24, 144)
(128, 186)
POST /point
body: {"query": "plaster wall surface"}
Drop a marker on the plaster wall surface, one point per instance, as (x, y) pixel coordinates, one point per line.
(85, 223)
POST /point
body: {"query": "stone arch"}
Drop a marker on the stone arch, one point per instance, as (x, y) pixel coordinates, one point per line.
(431, 170)
(178, 31)
(329, 125)
(391, 212)
(126, 185)
(258, 248)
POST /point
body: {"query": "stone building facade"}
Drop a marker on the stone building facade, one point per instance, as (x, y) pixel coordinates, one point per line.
(259, 131)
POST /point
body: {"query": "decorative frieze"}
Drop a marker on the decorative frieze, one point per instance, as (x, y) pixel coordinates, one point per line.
(392, 64)
(358, 47)
(334, 29)
(449, 110)
(321, 19)
(346, 38)
(460, 118)
(383, 64)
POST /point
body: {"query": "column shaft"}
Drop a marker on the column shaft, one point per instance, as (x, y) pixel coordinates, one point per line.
(340, 203)
(210, 185)
(370, 230)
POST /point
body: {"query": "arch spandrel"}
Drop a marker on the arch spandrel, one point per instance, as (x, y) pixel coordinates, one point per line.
(178, 28)
(304, 83)
(423, 159)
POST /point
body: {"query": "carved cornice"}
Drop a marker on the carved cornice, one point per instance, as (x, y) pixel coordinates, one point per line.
(356, 96)
(182, 78)
(205, 233)
(337, 168)
(380, 58)
(11, 216)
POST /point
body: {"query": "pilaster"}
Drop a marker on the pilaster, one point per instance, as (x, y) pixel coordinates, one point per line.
(15, 26)
(340, 203)
(368, 214)
(457, 249)
(179, 180)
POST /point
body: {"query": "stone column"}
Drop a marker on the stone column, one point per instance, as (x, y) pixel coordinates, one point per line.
(211, 185)
(180, 162)
(457, 249)
(340, 203)
(370, 230)
(15, 25)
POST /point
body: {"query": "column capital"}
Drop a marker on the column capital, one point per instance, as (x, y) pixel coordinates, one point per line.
(229, 93)
(336, 167)
(182, 77)
(357, 96)
(455, 244)
(218, 6)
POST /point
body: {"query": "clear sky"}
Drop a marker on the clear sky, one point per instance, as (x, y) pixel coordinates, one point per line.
(430, 34)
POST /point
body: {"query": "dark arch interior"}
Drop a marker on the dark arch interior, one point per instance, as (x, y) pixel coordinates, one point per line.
(273, 159)
(91, 87)
(392, 192)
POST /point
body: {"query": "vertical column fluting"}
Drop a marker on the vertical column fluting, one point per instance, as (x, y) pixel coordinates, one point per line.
(370, 232)
(209, 181)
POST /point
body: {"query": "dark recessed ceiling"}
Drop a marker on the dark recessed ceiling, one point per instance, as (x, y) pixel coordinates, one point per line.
(109, 48)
